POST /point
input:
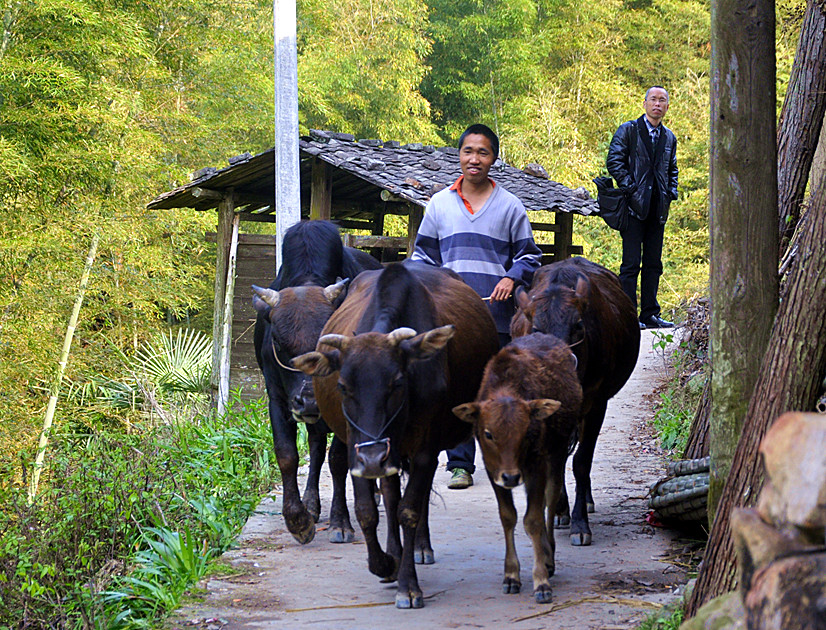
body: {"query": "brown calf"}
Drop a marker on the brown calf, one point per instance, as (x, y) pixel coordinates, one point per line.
(525, 416)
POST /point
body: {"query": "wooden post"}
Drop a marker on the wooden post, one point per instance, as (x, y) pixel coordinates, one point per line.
(223, 237)
(414, 220)
(321, 192)
(225, 349)
(287, 166)
(377, 230)
(563, 236)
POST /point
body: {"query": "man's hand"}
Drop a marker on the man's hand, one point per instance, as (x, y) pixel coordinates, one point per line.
(502, 291)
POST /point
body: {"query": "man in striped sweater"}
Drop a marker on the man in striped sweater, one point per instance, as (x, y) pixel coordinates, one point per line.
(482, 232)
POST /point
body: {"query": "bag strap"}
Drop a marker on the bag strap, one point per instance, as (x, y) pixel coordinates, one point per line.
(633, 151)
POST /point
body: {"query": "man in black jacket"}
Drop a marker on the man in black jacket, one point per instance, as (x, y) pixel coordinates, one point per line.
(642, 159)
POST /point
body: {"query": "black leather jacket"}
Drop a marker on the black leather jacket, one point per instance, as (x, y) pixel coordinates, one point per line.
(650, 162)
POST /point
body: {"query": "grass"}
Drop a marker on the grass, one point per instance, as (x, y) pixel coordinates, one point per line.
(127, 522)
(668, 618)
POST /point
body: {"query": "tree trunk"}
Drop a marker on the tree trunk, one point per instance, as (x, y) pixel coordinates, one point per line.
(697, 445)
(818, 171)
(790, 380)
(801, 118)
(743, 216)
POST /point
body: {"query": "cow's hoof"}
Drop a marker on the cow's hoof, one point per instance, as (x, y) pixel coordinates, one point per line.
(386, 567)
(581, 540)
(543, 594)
(511, 586)
(341, 535)
(590, 507)
(302, 528)
(313, 507)
(423, 556)
(405, 601)
(562, 522)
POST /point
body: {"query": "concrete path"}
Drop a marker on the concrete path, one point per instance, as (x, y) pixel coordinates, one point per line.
(613, 584)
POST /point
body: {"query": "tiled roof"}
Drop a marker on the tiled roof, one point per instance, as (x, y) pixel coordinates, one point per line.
(363, 168)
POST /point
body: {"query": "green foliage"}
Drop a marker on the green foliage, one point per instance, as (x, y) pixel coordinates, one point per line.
(125, 523)
(668, 618)
(682, 393)
(360, 65)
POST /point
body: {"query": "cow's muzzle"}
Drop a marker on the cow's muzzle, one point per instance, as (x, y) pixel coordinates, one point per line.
(372, 460)
(304, 407)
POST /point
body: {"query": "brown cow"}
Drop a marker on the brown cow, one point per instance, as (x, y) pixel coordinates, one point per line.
(407, 345)
(583, 304)
(526, 412)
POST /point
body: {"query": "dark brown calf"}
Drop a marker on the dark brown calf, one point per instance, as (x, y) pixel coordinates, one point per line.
(527, 410)
(583, 304)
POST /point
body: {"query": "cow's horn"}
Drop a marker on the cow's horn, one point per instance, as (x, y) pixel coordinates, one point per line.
(331, 292)
(271, 297)
(395, 337)
(335, 341)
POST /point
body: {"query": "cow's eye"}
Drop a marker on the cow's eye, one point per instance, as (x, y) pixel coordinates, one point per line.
(342, 388)
(488, 435)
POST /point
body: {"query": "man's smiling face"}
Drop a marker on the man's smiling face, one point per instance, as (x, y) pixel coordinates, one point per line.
(476, 157)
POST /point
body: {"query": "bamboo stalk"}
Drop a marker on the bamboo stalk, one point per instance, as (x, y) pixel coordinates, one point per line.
(226, 331)
(61, 369)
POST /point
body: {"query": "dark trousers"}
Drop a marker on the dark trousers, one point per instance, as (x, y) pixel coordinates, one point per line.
(464, 454)
(642, 250)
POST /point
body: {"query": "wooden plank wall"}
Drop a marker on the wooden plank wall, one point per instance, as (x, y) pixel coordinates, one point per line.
(256, 265)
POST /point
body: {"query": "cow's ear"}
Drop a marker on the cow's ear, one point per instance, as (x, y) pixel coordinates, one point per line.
(428, 344)
(523, 300)
(583, 288)
(469, 412)
(541, 408)
(318, 363)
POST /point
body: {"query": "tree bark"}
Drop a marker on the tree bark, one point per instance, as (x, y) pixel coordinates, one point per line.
(801, 118)
(697, 445)
(743, 216)
(790, 380)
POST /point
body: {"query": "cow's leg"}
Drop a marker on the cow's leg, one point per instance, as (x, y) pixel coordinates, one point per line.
(341, 531)
(391, 492)
(422, 469)
(423, 550)
(379, 563)
(511, 583)
(317, 446)
(584, 457)
(534, 522)
(300, 522)
(562, 510)
(553, 489)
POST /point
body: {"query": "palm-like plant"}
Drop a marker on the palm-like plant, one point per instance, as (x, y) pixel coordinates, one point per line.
(179, 364)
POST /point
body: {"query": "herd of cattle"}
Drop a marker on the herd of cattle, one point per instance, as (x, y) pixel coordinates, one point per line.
(405, 363)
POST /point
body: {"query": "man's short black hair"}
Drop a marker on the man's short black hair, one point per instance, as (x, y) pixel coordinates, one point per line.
(482, 130)
(657, 87)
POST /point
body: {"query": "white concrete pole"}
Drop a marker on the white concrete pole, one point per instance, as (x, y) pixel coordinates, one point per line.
(287, 176)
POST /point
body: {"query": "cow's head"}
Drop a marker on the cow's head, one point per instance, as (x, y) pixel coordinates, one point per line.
(295, 317)
(373, 386)
(506, 429)
(556, 309)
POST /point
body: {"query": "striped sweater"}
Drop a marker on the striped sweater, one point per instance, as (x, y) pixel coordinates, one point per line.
(484, 247)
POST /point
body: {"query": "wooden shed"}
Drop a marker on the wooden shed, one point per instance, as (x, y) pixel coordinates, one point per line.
(355, 183)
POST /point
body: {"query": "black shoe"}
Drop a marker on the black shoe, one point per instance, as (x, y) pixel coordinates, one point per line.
(642, 326)
(655, 321)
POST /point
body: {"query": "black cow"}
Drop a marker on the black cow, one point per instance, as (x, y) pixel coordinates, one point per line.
(291, 314)
(583, 304)
(408, 344)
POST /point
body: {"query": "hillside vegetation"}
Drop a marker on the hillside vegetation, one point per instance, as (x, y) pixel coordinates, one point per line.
(103, 105)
